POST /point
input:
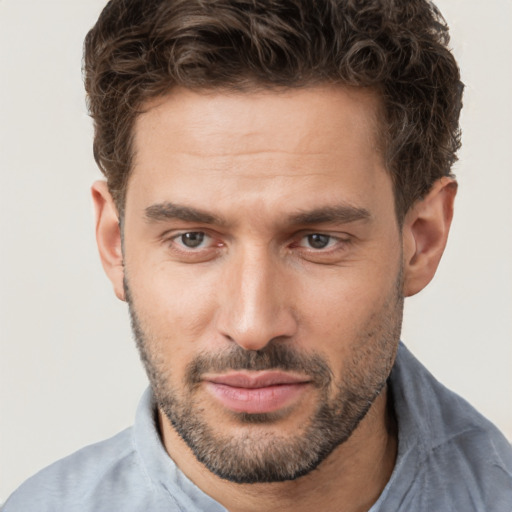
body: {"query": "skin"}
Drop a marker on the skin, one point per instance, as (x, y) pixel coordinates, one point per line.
(254, 162)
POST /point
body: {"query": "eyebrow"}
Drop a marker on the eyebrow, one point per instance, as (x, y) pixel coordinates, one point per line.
(170, 211)
(341, 214)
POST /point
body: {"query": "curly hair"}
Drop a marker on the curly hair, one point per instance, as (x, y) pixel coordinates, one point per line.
(141, 49)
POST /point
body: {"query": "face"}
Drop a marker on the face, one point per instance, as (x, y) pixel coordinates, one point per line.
(262, 263)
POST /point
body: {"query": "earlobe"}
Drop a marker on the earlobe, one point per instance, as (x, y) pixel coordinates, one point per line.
(108, 236)
(425, 233)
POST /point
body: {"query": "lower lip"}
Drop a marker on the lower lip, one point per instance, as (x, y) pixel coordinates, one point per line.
(256, 400)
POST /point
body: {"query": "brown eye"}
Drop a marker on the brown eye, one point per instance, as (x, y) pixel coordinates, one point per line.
(192, 240)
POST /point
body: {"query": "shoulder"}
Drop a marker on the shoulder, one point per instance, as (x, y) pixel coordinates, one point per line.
(470, 461)
(452, 457)
(470, 471)
(84, 480)
(475, 465)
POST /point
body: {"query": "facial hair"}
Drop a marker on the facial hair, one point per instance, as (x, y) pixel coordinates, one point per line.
(266, 457)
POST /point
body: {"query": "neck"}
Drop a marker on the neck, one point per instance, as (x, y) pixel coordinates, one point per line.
(353, 475)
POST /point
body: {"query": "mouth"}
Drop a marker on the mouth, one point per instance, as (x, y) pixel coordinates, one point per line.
(256, 392)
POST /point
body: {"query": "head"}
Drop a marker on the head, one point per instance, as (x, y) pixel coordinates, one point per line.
(278, 179)
(141, 49)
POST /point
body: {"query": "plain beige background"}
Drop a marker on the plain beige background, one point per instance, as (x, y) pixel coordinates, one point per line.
(69, 372)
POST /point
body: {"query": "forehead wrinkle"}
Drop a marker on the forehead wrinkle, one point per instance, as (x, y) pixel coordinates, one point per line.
(231, 153)
(369, 116)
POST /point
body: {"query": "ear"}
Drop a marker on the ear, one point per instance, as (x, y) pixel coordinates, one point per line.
(108, 236)
(425, 232)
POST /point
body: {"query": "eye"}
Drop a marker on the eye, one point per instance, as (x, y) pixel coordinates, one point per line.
(318, 241)
(192, 246)
(192, 239)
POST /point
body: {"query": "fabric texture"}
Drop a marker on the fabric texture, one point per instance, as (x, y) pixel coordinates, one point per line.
(450, 458)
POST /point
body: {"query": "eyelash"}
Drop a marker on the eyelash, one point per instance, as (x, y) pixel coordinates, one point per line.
(180, 235)
(331, 238)
(335, 245)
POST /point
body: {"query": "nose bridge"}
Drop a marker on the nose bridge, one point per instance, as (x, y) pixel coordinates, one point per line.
(255, 309)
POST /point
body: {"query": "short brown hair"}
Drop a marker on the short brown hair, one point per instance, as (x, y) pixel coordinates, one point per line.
(140, 49)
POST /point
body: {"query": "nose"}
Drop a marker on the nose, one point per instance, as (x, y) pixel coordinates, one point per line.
(254, 301)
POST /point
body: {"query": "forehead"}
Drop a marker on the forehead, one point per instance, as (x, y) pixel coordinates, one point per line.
(269, 149)
(275, 119)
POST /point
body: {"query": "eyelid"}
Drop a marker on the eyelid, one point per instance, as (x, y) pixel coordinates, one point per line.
(340, 237)
(338, 243)
(170, 234)
(205, 244)
(332, 241)
(332, 254)
(181, 253)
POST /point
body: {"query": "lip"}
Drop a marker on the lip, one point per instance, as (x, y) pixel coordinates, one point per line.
(256, 392)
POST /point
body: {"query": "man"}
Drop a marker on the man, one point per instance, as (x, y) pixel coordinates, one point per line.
(278, 180)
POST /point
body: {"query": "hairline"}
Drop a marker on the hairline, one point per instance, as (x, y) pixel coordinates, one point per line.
(377, 125)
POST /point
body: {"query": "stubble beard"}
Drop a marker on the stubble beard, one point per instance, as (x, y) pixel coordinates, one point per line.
(264, 457)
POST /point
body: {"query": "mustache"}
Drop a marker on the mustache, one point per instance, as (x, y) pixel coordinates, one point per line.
(274, 356)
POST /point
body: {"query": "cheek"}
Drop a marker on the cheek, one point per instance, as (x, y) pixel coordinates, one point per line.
(174, 309)
(342, 311)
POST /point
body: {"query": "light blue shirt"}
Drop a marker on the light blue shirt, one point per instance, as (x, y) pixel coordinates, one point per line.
(450, 458)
